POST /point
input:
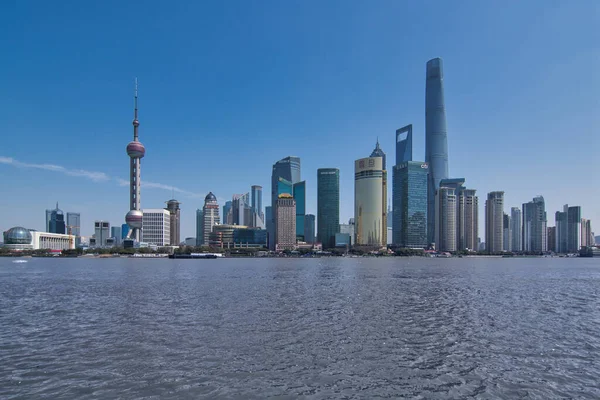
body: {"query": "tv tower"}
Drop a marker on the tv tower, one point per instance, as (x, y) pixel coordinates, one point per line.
(135, 151)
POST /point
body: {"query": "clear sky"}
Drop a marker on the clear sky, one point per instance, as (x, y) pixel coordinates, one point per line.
(228, 88)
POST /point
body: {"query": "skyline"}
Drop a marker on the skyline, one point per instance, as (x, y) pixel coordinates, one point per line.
(369, 98)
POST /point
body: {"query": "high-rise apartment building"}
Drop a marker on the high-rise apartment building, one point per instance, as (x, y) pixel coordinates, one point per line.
(516, 223)
(309, 228)
(574, 227)
(468, 219)
(328, 206)
(370, 201)
(73, 224)
(285, 222)
(562, 230)
(200, 227)
(587, 236)
(534, 226)
(494, 222)
(101, 233)
(409, 200)
(445, 219)
(551, 238)
(156, 226)
(436, 141)
(210, 216)
(506, 233)
(174, 212)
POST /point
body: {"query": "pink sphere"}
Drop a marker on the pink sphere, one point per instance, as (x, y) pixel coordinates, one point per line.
(136, 149)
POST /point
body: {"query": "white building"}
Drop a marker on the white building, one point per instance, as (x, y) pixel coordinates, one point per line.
(156, 226)
(19, 238)
(370, 202)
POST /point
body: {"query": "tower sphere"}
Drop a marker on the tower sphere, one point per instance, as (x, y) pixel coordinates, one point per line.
(134, 219)
(136, 123)
(136, 149)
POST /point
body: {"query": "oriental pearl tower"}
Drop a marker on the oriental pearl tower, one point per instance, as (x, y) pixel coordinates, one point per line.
(135, 151)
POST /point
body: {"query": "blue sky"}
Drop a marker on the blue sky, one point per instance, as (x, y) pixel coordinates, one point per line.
(227, 89)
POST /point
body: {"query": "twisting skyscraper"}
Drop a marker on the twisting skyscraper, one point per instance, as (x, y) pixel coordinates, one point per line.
(436, 140)
(135, 151)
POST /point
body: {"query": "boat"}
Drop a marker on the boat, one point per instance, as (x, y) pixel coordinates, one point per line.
(194, 256)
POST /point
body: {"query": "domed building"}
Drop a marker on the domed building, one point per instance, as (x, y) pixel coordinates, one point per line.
(18, 238)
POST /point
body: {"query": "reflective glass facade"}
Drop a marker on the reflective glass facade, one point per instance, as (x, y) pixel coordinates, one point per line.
(300, 197)
(328, 206)
(287, 168)
(404, 144)
(409, 198)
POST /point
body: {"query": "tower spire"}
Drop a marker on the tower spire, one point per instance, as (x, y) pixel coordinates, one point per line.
(136, 123)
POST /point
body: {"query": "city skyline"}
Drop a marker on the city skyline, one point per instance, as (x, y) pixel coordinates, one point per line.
(375, 105)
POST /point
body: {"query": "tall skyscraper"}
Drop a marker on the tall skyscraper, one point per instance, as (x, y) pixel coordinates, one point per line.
(135, 151)
(494, 222)
(210, 215)
(48, 219)
(551, 238)
(228, 213)
(506, 233)
(256, 200)
(74, 224)
(370, 201)
(299, 194)
(288, 169)
(468, 219)
(309, 228)
(436, 140)
(200, 227)
(241, 210)
(404, 144)
(587, 237)
(409, 199)
(534, 226)
(445, 223)
(574, 226)
(285, 222)
(562, 230)
(56, 223)
(328, 206)
(174, 212)
(156, 226)
(516, 222)
(124, 230)
(101, 232)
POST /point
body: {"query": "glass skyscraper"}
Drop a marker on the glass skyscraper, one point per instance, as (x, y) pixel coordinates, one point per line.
(404, 144)
(409, 199)
(57, 221)
(74, 224)
(328, 206)
(287, 168)
(436, 140)
(309, 228)
(300, 197)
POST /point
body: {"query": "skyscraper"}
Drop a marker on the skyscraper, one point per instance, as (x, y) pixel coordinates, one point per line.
(115, 232)
(370, 201)
(551, 238)
(506, 233)
(74, 224)
(288, 169)
(257, 208)
(57, 221)
(135, 151)
(48, 219)
(124, 230)
(468, 219)
(404, 144)
(494, 222)
(378, 152)
(210, 216)
(156, 226)
(299, 194)
(516, 222)
(241, 210)
(587, 237)
(562, 230)
(228, 213)
(309, 228)
(174, 212)
(200, 227)
(328, 206)
(534, 226)
(101, 232)
(409, 199)
(285, 222)
(436, 141)
(445, 222)
(574, 227)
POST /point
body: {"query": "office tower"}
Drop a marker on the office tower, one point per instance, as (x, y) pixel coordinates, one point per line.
(378, 152)
(74, 224)
(228, 213)
(115, 232)
(494, 222)
(468, 219)
(404, 144)
(156, 226)
(436, 141)
(270, 226)
(587, 237)
(562, 230)
(299, 194)
(210, 216)
(409, 199)
(55, 221)
(101, 232)
(309, 228)
(506, 233)
(256, 204)
(516, 222)
(328, 206)
(349, 229)
(200, 227)
(370, 198)
(534, 226)
(551, 238)
(574, 229)
(445, 223)
(285, 222)
(174, 213)
(135, 151)
(289, 169)
(241, 210)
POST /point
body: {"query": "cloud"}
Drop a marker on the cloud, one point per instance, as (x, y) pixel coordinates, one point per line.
(94, 176)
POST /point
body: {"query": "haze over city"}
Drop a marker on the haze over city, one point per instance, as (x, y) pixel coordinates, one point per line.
(227, 90)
